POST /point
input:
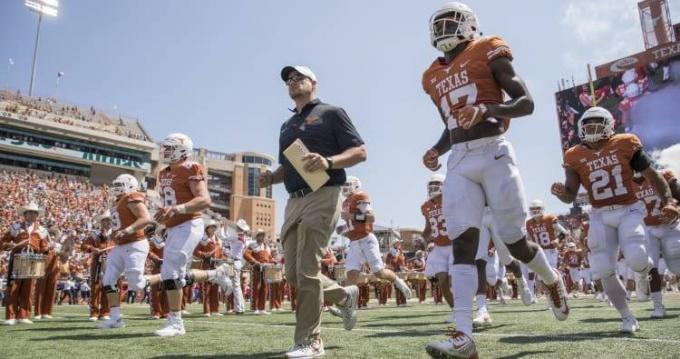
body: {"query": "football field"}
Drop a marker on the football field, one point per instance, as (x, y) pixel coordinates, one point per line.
(385, 332)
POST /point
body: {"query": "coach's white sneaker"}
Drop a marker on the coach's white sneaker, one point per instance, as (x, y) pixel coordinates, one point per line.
(659, 312)
(111, 323)
(24, 321)
(312, 350)
(222, 279)
(173, 327)
(10, 322)
(630, 325)
(557, 298)
(482, 320)
(458, 345)
(524, 292)
(349, 308)
(403, 288)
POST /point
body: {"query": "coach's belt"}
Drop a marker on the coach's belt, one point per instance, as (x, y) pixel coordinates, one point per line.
(300, 193)
(480, 142)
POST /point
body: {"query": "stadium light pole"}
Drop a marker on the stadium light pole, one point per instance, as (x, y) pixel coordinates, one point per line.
(42, 7)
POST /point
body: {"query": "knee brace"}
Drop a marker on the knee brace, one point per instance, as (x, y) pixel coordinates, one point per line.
(110, 289)
(523, 250)
(465, 247)
(171, 284)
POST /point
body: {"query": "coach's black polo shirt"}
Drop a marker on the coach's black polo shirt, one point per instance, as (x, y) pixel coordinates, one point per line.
(324, 129)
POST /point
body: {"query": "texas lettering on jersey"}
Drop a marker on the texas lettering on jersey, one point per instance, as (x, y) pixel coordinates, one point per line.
(432, 210)
(606, 173)
(467, 79)
(542, 231)
(647, 194)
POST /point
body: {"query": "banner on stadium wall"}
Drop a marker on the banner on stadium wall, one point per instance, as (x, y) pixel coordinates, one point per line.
(644, 100)
(657, 54)
(81, 155)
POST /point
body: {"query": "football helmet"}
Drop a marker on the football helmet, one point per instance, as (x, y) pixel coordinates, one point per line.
(598, 130)
(536, 208)
(434, 186)
(124, 184)
(176, 147)
(451, 25)
(352, 185)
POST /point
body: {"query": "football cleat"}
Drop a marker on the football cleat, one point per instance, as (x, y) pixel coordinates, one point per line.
(403, 288)
(482, 320)
(458, 345)
(173, 327)
(557, 298)
(659, 312)
(111, 323)
(312, 350)
(629, 325)
(349, 309)
(524, 292)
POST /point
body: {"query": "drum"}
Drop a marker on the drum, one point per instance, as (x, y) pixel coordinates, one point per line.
(404, 275)
(364, 278)
(419, 276)
(28, 265)
(273, 274)
(195, 263)
(340, 272)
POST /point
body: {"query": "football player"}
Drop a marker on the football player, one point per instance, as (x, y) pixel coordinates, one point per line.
(363, 245)
(184, 192)
(468, 85)
(664, 239)
(604, 163)
(440, 258)
(572, 260)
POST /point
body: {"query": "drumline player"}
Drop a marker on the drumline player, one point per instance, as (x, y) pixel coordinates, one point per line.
(258, 255)
(21, 236)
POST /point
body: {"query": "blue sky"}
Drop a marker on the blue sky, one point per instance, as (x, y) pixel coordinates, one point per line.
(211, 69)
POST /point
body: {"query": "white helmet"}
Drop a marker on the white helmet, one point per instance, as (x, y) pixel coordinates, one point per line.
(124, 184)
(352, 185)
(452, 24)
(536, 208)
(434, 185)
(176, 147)
(593, 132)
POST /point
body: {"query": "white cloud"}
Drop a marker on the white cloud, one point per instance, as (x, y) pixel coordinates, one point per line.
(602, 31)
(669, 158)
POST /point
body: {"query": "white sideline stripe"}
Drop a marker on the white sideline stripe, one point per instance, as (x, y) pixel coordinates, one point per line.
(493, 335)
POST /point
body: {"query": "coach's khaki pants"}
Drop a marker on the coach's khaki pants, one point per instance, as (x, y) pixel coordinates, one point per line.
(309, 222)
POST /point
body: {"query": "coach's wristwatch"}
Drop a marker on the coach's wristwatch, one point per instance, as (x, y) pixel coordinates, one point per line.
(330, 162)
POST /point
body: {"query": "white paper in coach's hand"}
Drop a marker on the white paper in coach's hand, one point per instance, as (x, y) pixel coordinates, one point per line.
(294, 154)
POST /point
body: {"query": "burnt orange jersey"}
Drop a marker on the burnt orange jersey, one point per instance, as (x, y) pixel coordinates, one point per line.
(122, 217)
(467, 79)
(648, 194)
(432, 210)
(572, 259)
(351, 207)
(606, 173)
(542, 231)
(174, 188)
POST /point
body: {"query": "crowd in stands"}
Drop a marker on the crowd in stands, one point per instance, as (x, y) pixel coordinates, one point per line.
(50, 109)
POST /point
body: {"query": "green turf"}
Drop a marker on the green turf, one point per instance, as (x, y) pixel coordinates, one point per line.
(386, 332)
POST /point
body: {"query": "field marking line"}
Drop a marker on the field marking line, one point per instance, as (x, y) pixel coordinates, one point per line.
(493, 335)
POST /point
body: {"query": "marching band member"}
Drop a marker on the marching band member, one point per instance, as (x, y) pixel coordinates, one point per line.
(327, 262)
(418, 265)
(209, 249)
(276, 289)
(258, 255)
(28, 234)
(46, 287)
(237, 245)
(159, 300)
(98, 244)
(396, 261)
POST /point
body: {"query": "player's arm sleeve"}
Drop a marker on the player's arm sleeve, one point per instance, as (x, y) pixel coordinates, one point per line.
(496, 48)
(640, 160)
